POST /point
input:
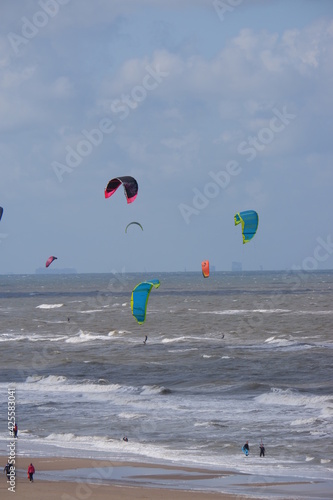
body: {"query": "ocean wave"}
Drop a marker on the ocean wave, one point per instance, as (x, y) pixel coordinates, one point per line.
(49, 379)
(246, 311)
(131, 416)
(90, 311)
(289, 397)
(154, 389)
(87, 337)
(304, 421)
(49, 306)
(180, 339)
(58, 383)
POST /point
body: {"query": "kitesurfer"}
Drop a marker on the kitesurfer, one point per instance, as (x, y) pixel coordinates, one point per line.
(262, 449)
(31, 472)
(145, 340)
(246, 448)
(125, 439)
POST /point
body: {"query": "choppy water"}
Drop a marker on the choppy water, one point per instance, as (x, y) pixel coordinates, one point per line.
(231, 358)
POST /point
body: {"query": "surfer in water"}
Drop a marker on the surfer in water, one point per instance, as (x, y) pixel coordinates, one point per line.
(246, 448)
(145, 340)
(262, 450)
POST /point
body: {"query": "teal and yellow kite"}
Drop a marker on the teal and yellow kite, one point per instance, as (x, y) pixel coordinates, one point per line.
(249, 220)
(139, 299)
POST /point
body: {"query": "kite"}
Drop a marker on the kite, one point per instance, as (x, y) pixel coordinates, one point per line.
(50, 260)
(139, 299)
(205, 268)
(1, 212)
(138, 223)
(130, 187)
(249, 220)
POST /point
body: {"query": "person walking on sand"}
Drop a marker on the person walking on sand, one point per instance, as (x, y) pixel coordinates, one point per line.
(262, 450)
(6, 469)
(31, 472)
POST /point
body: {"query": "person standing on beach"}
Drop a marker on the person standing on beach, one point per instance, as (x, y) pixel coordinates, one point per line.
(15, 429)
(262, 449)
(31, 472)
(7, 470)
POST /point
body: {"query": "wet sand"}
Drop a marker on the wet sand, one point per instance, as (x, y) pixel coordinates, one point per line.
(84, 479)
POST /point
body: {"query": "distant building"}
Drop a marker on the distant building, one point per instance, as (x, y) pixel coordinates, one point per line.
(236, 266)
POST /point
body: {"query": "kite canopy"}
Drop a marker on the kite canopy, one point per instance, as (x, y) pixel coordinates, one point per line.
(1, 212)
(249, 220)
(139, 299)
(130, 187)
(205, 268)
(137, 223)
(50, 260)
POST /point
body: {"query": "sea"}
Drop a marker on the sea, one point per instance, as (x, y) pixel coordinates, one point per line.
(236, 357)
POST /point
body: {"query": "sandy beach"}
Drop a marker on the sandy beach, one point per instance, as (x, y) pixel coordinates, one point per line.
(84, 479)
(67, 490)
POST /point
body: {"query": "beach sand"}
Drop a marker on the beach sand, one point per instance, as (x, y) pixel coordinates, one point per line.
(84, 480)
(86, 489)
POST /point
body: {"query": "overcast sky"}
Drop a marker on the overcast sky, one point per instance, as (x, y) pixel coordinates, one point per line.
(215, 107)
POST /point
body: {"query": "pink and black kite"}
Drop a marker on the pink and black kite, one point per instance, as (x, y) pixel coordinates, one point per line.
(50, 260)
(130, 187)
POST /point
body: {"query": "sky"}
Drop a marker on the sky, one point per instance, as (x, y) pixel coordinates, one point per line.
(214, 107)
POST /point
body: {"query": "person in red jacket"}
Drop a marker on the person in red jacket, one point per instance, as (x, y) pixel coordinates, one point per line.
(31, 472)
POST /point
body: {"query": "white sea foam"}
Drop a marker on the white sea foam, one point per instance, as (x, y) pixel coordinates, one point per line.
(246, 311)
(49, 306)
(90, 311)
(181, 339)
(82, 337)
(48, 380)
(304, 421)
(288, 397)
(131, 416)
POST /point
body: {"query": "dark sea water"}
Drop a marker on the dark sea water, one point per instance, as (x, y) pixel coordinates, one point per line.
(235, 357)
